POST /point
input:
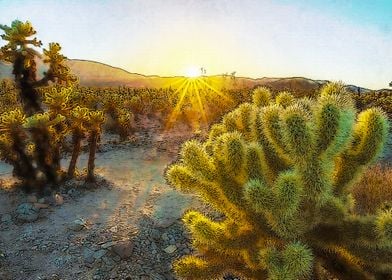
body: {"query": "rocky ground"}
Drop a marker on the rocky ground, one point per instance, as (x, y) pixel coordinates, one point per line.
(125, 226)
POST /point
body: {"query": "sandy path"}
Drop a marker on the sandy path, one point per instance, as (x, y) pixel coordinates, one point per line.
(139, 206)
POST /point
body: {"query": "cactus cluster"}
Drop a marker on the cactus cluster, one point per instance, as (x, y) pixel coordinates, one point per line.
(34, 145)
(380, 98)
(33, 139)
(121, 115)
(280, 172)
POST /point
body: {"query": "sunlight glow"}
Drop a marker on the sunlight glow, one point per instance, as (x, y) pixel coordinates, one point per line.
(192, 72)
(195, 95)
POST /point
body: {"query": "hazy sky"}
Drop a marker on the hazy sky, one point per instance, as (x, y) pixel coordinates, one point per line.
(336, 40)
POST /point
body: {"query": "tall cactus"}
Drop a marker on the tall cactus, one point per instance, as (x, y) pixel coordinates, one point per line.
(46, 128)
(280, 173)
(95, 122)
(79, 118)
(57, 101)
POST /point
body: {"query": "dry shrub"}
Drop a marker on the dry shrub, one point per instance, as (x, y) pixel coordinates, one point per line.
(374, 190)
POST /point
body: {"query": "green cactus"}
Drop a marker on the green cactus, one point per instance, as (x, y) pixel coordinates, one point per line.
(261, 96)
(45, 130)
(44, 135)
(125, 124)
(57, 101)
(13, 142)
(95, 122)
(281, 175)
(79, 118)
(58, 70)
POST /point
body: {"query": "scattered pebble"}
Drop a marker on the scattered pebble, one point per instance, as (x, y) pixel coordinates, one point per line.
(170, 249)
(77, 225)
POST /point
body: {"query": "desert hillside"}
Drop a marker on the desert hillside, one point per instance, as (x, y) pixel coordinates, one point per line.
(97, 74)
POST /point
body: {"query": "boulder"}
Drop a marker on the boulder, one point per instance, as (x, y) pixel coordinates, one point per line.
(27, 212)
(123, 249)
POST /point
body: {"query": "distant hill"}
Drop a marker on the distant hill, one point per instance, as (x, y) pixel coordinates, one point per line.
(97, 74)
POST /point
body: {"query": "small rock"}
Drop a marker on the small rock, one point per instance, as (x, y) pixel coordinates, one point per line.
(114, 229)
(99, 254)
(26, 212)
(165, 236)
(113, 275)
(88, 256)
(155, 234)
(170, 249)
(123, 249)
(77, 225)
(59, 200)
(2, 255)
(116, 258)
(108, 244)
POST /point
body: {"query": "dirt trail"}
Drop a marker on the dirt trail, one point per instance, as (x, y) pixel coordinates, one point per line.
(136, 206)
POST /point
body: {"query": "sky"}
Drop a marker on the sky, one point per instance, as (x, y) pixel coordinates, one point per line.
(342, 40)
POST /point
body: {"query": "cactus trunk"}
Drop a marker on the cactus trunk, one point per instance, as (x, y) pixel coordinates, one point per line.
(91, 156)
(77, 141)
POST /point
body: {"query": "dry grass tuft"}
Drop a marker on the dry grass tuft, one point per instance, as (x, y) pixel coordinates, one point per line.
(374, 190)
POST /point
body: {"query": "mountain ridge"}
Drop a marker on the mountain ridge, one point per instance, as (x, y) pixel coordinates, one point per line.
(94, 73)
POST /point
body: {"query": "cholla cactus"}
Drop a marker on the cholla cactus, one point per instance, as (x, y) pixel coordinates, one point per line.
(79, 118)
(13, 142)
(261, 96)
(281, 176)
(125, 124)
(57, 101)
(284, 98)
(58, 70)
(17, 47)
(95, 122)
(20, 53)
(46, 129)
(45, 136)
(120, 115)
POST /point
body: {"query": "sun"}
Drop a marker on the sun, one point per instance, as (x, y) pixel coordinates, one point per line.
(192, 72)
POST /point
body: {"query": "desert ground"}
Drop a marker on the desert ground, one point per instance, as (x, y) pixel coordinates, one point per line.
(125, 226)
